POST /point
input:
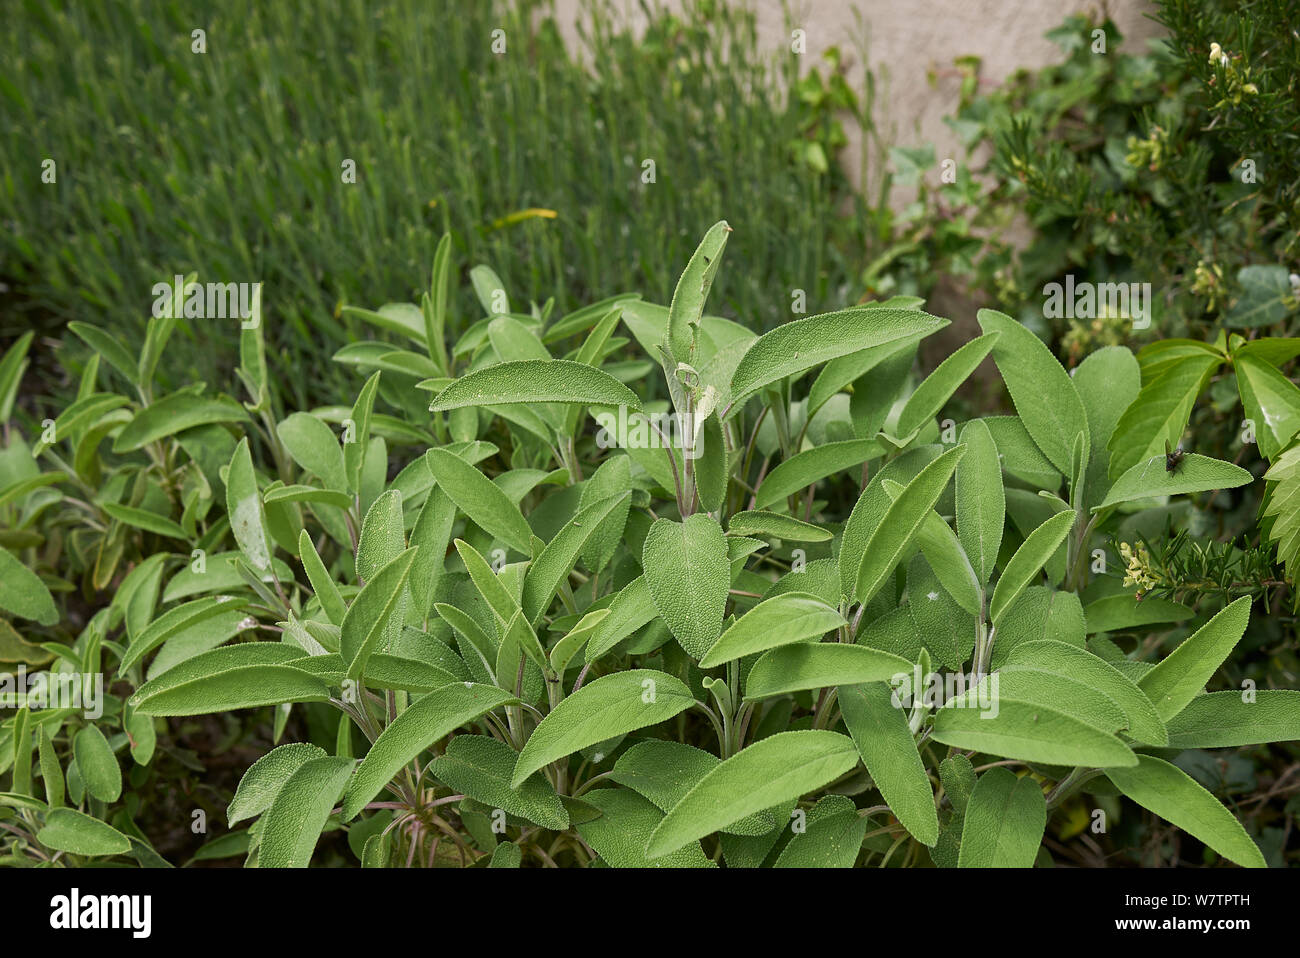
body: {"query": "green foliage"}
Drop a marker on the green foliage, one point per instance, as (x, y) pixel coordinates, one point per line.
(326, 185)
(496, 633)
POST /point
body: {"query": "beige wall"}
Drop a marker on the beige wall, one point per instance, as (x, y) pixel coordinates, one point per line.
(909, 39)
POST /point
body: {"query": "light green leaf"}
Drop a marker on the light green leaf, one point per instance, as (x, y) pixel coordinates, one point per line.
(771, 525)
(900, 524)
(800, 471)
(1115, 613)
(980, 499)
(426, 721)
(244, 505)
(664, 771)
(928, 399)
(695, 552)
(1025, 731)
(792, 668)
(832, 839)
(611, 706)
(97, 764)
(798, 346)
(770, 772)
(632, 608)
(314, 447)
(172, 414)
(1144, 723)
(1039, 546)
(1229, 719)
(322, 583)
(22, 593)
(174, 621)
(1176, 797)
(1042, 391)
(536, 381)
(946, 558)
(556, 561)
(1177, 678)
(1160, 412)
(243, 676)
(619, 835)
(146, 520)
(1004, 822)
(481, 767)
(71, 831)
(881, 734)
(265, 777)
(1149, 479)
(692, 290)
(480, 499)
(371, 611)
(780, 620)
(299, 811)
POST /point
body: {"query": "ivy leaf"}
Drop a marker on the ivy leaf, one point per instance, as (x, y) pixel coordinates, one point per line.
(1266, 298)
(1271, 402)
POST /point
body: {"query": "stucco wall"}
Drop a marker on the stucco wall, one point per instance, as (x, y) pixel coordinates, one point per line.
(908, 39)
